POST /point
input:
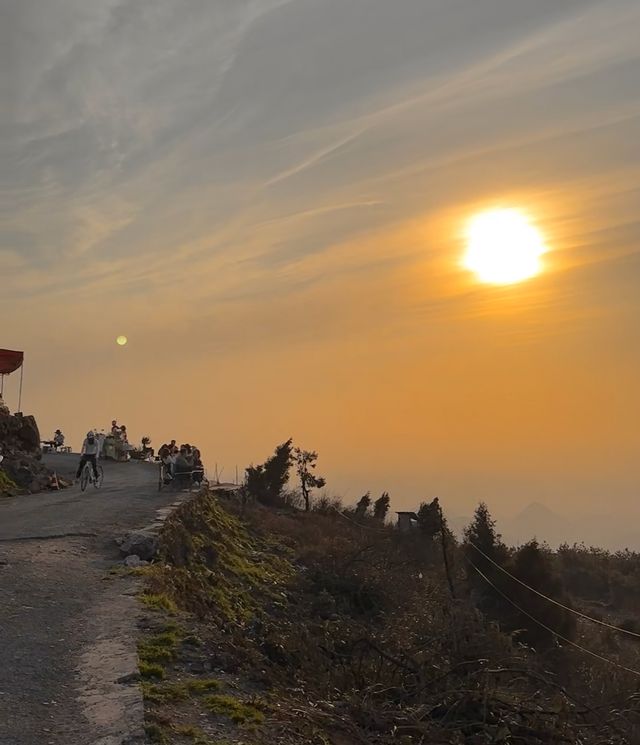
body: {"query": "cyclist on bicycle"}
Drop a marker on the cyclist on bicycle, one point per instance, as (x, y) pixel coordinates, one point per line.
(89, 454)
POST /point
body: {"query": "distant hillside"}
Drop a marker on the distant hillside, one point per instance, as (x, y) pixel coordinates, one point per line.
(537, 520)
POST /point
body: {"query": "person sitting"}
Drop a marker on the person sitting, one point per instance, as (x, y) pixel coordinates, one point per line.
(165, 449)
(57, 442)
(182, 468)
(167, 460)
(89, 454)
(198, 467)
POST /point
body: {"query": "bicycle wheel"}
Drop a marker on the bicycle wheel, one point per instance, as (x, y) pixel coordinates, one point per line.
(98, 482)
(85, 476)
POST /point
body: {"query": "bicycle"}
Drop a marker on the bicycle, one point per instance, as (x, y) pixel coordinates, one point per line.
(87, 477)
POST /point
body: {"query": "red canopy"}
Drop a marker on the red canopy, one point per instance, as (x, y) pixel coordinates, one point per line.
(10, 361)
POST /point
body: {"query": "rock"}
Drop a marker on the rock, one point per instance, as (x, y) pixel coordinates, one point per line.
(128, 678)
(29, 435)
(21, 456)
(134, 561)
(27, 473)
(19, 435)
(23, 476)
(143, 544)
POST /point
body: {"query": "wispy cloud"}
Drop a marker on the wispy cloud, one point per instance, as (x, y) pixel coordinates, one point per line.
(267, 196)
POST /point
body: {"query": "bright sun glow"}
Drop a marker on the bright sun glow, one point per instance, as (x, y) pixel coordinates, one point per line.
(503, 247)
(122, 340)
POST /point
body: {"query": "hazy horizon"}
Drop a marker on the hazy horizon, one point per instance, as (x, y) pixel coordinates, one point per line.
(268, 198)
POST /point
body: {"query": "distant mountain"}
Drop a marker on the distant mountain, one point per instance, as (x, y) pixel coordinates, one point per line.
(538, 521)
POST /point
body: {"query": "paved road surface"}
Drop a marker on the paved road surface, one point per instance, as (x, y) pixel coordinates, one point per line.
(66, 626)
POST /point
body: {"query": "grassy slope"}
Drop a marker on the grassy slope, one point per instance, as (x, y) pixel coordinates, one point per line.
(7, 486)
(289, 628)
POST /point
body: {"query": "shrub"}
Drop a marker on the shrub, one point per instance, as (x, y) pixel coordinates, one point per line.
(266, 482)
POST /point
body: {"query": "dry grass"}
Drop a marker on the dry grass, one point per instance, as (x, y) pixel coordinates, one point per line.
(351, 635)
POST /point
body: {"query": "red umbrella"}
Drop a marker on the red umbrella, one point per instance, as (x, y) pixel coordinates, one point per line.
(10, 361)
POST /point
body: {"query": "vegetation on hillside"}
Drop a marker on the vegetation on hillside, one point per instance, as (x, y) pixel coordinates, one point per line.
(7, 487)
(330, 626)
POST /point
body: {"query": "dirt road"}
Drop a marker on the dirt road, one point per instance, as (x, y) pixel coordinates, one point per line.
(67, 626)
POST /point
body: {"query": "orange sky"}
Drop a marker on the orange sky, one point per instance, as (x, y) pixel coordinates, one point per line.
(268, 200)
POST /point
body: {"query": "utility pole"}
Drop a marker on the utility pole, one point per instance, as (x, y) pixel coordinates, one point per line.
(445, 557)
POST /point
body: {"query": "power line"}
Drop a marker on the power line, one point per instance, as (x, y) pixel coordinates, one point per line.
(600, 657)
(360, 525)
(555, 602)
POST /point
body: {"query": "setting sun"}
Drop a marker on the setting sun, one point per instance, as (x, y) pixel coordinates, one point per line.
(503, 247)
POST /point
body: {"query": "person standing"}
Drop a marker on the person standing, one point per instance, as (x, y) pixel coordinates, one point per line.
(101, 438)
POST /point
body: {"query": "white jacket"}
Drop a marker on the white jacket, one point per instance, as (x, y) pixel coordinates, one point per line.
(90, 449)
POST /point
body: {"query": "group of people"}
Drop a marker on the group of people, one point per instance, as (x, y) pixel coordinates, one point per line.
(93, 446)
(182, 464)
(119, 432)
(115, 444)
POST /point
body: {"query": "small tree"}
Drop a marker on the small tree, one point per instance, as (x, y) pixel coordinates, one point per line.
(254, 482)
(482, 547)
(381, 507)
(265, 482)
(363, 505)
(430, 518)
(305, 461)
(533, 566)
(432, 524)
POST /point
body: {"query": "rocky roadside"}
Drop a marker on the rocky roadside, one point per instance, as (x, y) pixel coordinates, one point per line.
(21, 467)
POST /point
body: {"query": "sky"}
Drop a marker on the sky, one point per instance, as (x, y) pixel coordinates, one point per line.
(268, 198)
